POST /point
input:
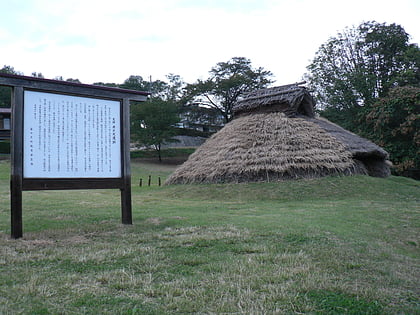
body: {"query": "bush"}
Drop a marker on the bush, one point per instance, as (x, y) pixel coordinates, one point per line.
(173, 152)
(5, 147)
(394, 123)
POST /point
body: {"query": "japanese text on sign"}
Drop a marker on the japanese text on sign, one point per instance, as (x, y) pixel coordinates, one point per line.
(71, 137)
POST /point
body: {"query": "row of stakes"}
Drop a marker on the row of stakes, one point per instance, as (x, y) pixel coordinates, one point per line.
(149, 181)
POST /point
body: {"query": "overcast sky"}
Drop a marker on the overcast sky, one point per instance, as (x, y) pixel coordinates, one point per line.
(109, 40)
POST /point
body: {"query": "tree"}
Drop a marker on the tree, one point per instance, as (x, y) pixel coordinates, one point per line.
(174, 89)
(108, 84)
(359, 65)
(73, 80)
(228, 80)
(153, 123)
(394, 123)
(158, 89)
(5, 91)
(37, 75)
(136, 82)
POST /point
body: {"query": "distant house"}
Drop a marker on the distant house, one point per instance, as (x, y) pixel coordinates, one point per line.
(195, 126)
(201, 119)
(5, 123)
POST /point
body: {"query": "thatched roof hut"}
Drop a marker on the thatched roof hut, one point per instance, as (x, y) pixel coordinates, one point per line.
(275, 136)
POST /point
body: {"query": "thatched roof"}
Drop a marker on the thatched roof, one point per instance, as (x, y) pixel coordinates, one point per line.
(263, 143)
(266, 147)
(291, 99)
(359, 147)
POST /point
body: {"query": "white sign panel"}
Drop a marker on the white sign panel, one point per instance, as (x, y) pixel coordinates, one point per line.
(70, 137)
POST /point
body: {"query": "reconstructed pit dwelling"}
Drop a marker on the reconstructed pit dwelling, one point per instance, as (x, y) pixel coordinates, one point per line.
(275, 136)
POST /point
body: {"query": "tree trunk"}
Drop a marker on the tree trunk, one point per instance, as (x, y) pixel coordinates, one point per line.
(158, 149)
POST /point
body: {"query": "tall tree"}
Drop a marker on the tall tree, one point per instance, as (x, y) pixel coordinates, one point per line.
(154, 123)
(359, 65)
(227, 81)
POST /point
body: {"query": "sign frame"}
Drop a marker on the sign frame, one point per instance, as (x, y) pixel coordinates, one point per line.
(18, 183)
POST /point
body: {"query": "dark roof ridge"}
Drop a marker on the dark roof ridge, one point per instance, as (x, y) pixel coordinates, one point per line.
(293, 97)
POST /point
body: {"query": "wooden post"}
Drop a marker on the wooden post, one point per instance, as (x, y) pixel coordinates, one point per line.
(126, 207)
(16, 206)
(159, 181)
(17, 163)
(150, 180)
(141, 182)
(126, 214)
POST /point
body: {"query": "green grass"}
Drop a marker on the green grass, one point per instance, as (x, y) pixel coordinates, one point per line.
(337, 245)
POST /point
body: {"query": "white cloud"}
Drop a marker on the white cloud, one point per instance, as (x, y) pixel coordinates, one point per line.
(102, 40)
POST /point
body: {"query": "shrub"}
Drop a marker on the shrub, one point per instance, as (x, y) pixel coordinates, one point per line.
(5, 147)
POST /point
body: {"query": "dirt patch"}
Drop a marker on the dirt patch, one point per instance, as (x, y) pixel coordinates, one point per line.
(38, 242)
(165, 160)
(76, 239)
(154, 221)
(178, 218)
(158, 221)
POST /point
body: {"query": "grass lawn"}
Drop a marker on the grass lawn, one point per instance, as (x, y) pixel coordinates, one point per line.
(337, 245)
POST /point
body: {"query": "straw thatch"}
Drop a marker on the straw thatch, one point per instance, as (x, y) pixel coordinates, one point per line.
(265, 147)
(264, 143)
(373, 157)
(290, 99)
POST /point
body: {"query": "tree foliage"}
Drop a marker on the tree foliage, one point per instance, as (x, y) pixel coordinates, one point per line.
(394, 123)
(154, 123)
(361, 64)
(136, 82)
(227, 81)
(170, 91)
(367, 80)
(5, 91)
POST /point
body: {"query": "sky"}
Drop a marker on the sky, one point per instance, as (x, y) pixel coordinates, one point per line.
(109, 40)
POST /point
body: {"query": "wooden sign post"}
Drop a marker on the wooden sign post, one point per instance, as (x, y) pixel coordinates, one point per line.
(68, 136)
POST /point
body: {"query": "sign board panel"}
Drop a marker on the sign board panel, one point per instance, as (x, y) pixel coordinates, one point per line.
(68, 136)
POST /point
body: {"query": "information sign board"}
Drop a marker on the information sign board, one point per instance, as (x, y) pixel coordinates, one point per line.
(68, 136)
